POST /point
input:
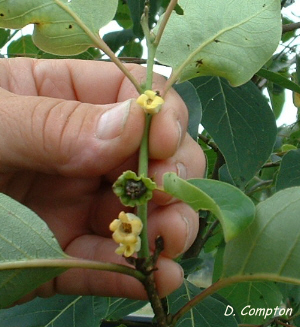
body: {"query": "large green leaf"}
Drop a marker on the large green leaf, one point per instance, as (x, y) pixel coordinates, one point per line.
(289, 173)
(62, 27)
(269, 249)
(261, 295)
(240, 122)
(228, 39)
(232, 207)
(110, 308)
(208, 313)
(58, 311)
(24, 237)
(68, 310)
(190, 96)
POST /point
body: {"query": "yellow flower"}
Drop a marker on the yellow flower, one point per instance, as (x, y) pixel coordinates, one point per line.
(126, 230)
(150, 102)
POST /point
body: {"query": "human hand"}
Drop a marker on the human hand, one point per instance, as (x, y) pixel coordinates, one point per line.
(67, 132)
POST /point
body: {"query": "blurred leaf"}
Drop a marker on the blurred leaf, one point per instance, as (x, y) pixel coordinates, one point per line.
(117, 308)
(132, 49)
(191, 265)
(68, 310)
(277, 98)
(289, 173)
(208, 313)
(58, 311)
(122, 16)
(217, 38)
(240, 122)
(60, 27)
(232, 207)
(24, 237)
(136, 8)
(269, 248)
(177, 9)
(262, 295)
(278, 79)
(117, 39)
(24, 46)
(189, 95)
(4, 36)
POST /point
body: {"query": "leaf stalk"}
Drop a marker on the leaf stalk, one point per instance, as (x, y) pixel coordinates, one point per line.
(72, 262)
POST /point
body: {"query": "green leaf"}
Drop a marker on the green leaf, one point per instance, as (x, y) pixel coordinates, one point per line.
(60, 310)
(189, 95)
(262, 295)
(4, 36)
(232, 207)
(208, 313)
(277, 98)
(269, 248)
(117, 308)
(240, 122)
(22, 47)
(289, 173)
(68, 310)
(217, 38)
(278, 79)
(117, 39)
(61, 27)
(122, 16)
(136, 8)
(132, 49)
(24, 237)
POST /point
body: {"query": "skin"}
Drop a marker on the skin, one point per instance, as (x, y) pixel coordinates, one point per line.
(53, 161)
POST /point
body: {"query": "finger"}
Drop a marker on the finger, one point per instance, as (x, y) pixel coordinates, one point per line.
(69, 137)
(89, 282)
(177, 224)
(85, 81)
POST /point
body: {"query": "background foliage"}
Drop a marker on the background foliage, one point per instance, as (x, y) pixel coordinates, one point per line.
(245, 149)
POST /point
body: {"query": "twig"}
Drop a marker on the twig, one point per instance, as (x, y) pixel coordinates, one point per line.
(147, 266)
(200, 241)
(207, 141)
(218, 164)
(257, 187)
(164, 21)
(290, 27)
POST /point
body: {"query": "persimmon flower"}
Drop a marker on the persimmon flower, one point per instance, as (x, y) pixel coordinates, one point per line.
(126, 230)
(133, 190)
(150, 102)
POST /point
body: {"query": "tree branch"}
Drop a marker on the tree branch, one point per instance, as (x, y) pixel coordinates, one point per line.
(290, 27)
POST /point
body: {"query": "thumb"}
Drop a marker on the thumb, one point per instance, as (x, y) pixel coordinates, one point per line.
(66, 137)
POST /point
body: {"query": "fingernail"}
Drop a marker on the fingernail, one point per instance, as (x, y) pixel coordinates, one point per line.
(188, 239)
(112, 121)
(179, 133)
(181, 170)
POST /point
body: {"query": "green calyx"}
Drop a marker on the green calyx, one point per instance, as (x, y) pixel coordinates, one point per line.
(133, 190)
